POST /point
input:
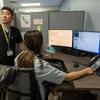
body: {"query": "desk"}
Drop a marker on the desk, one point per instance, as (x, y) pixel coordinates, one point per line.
(90, 82)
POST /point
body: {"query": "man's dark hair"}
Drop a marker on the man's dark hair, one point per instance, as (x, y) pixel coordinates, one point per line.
(8, 8)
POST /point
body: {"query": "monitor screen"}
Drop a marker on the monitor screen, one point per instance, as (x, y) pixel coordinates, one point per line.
(87, 41)
(60, 38)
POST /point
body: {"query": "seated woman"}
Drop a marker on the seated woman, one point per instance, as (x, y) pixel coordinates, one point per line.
(33, 40)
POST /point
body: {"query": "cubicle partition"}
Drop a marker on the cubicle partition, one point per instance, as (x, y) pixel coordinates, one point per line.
(43, 21)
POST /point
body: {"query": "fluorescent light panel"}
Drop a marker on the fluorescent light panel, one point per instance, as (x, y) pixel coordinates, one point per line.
(30, 4)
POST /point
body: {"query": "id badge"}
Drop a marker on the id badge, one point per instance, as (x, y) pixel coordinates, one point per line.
(9, 53)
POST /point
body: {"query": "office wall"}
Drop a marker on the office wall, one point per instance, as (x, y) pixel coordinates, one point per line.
(33, 21)
(37, 9)
(92, 9)
(0, 16)
(1, 3)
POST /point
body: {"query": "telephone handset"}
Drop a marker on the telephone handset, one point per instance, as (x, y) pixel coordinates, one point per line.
(95, 64)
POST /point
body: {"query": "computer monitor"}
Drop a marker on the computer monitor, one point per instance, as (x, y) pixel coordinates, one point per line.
(60, 38)
(87, 41)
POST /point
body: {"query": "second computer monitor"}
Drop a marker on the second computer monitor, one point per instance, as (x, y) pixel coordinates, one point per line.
(60, 38)
(87, 41)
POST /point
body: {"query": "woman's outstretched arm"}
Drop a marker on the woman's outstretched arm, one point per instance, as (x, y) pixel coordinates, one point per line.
(77, 74)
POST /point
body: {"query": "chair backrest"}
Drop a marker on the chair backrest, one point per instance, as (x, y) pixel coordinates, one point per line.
(25, 84)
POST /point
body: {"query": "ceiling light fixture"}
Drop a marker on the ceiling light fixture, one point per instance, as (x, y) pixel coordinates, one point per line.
(29, 4)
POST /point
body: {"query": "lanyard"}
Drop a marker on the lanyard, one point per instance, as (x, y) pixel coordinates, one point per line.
(6, 37)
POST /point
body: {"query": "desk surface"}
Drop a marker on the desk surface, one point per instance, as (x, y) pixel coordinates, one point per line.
(90, 82)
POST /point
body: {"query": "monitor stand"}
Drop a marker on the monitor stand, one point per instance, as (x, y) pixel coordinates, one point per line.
(71, 51)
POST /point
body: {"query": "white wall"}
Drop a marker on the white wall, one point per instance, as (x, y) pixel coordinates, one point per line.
(92, 8)
(1, 3)
(37, 9)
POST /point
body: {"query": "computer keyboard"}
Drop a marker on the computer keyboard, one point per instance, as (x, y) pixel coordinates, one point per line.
(80, 63)
(57, 64)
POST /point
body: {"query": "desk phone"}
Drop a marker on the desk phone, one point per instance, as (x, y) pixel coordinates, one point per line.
(95, 64)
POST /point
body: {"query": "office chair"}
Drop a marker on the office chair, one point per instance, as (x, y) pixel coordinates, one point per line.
(25, 86)
(59, 64)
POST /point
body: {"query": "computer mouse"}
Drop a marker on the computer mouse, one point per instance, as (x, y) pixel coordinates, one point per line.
(76, 65)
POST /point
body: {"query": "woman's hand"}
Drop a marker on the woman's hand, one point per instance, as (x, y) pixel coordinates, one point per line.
(89, 70)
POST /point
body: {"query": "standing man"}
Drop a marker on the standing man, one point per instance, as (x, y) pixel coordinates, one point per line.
(9, 37)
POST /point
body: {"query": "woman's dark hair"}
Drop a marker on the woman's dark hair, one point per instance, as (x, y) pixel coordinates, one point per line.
(26, 59)
(33, 41)
(8, 8)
